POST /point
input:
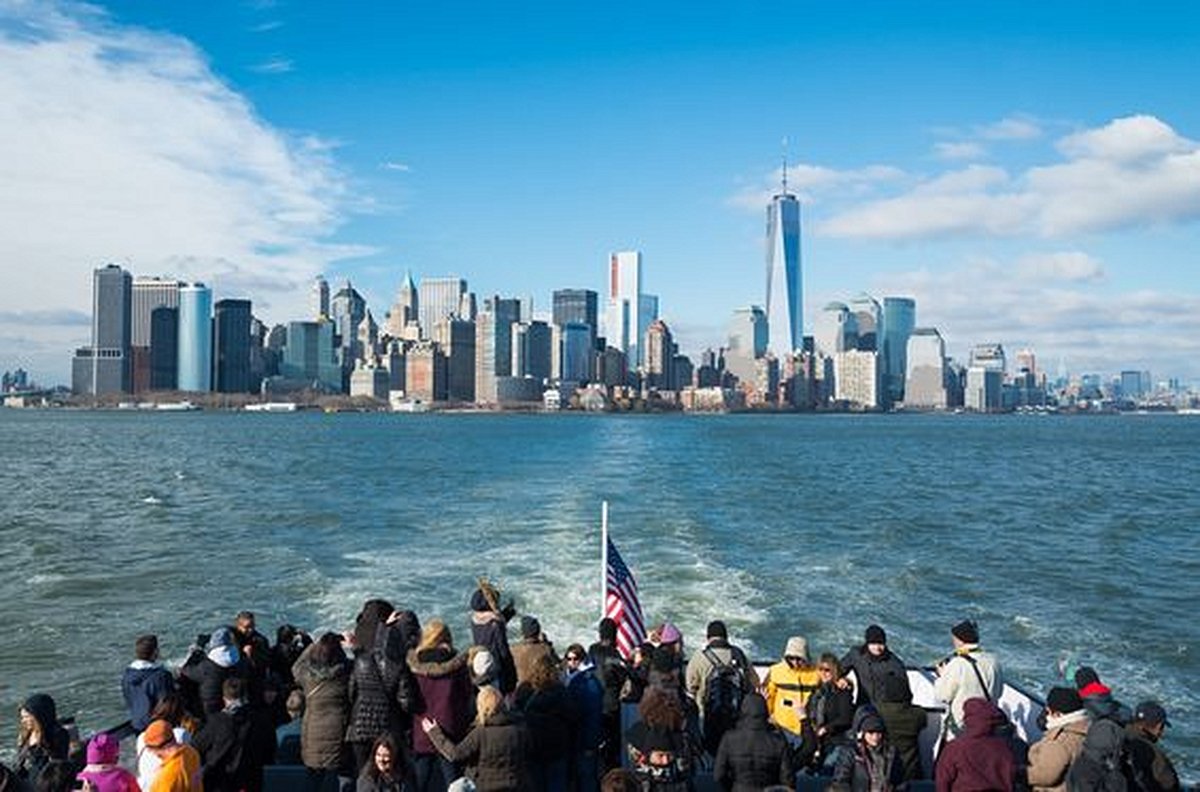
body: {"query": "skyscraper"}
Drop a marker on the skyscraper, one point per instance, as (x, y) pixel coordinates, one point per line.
(659, 349)
(439, 298)
(576, 306)
(836, 330)
(868, 315)
(747, 341)
(195, 338)
(456, 340)
(925, 386)
(319, 305)
(899, 318)
(231, 339)
(404, 310)
(785, 303)
(164, 349)
(309, 356)
(348, 310)
(623, 323)
(148, 294)
(104, 367)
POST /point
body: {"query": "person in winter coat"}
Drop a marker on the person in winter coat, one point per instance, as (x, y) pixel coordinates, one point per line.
(752, 755)
(323, 673)
(445, 696)
(42, 739)
(532, 649)
(585, 694)
(968, 673)
(145, 681)
(612, 672)
(872, 763)
(102, 772)
(221, 659)
(718, 653)
(235, 743)
(829, 714)
(179, 765)
(874, 664)
(1150, 766)
(660, 753)
(1066, 727)
(385, 772)
(498, 747)
(788, 685)
(183, 725)
(379, 683)
(489, 629)
(978, 759)
(1098, 697)
(547, 709)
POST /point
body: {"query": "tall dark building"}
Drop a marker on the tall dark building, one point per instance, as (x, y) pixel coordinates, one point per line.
(507, 312)
(105, 367)
(164, 349)
(231, 342)
(576, 306)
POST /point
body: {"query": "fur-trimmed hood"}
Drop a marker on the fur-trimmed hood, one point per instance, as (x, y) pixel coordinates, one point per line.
(437, 662)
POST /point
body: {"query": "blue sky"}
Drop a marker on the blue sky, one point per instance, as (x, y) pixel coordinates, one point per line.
(1027, 171)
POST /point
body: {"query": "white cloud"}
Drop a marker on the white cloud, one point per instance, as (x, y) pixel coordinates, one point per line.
(400, 167)
(1012, 128)
(276, 65)
(807, 180)
(121, 144)
(1131, 172)
(960, 150)
(1058, 305)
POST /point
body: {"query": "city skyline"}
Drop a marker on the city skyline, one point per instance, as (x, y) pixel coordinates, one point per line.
(1028, 175)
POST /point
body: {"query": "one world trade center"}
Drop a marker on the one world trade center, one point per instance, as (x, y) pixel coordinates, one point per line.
(785, 304)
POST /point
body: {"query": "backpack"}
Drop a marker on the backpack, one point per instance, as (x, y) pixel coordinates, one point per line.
(723, 692)
(1102, 765)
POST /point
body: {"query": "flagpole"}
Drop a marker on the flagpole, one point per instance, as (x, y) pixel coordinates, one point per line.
(603, 557)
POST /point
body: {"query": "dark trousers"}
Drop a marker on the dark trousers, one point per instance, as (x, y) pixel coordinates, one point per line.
(433, 773)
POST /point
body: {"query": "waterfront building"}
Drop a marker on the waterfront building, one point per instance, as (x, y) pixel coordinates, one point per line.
(518, 390)
(785, 299)
(899, 319)
(310, 356)
(989, 357)
(624, 323)
(231, 340)
(195, 357)
(576, 347)
(748, 339)
(531, 344)
(319, 298)
(104, 367)
(1027, 361)
(370, 379)
(425, 378)
(925, 378)
(660, 355)
(984, 389)
(868, 317)
(404, 309)
(456, 340)
(147, 294)
(612, 367)
(396, 360)
(348, 310)
(856, 378)
(493, 345)
(1132, 386)
(439, 298)
(836, 330)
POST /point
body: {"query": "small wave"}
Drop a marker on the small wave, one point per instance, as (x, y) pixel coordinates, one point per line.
(151, 500)
(44, 579)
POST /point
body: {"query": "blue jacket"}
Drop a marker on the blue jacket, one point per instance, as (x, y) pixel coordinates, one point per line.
(142, 685)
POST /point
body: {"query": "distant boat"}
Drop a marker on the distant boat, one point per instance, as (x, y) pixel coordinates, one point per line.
(180, 406)
(272, 407)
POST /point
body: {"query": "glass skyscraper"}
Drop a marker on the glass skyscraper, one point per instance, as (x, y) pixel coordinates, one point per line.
(785, 297)
(195, 338)
(899, 319)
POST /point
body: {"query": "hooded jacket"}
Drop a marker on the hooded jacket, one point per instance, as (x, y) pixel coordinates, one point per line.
(446, 691)
(234, 745)
(326, 710)
(979, 760)
(752, 755)
(32, 759)
(143, 684)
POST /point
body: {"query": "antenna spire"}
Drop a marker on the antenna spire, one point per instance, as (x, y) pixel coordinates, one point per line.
(785, 143)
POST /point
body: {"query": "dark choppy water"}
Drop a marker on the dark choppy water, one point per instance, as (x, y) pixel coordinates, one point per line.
(1060, 535)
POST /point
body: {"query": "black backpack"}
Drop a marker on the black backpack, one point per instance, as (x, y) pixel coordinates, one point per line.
(723, 692)
(1103, 764)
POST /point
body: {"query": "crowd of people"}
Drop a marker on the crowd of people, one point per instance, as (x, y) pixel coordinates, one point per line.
(395, 705)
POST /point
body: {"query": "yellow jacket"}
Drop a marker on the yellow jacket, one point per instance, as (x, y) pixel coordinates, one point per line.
(180, 772)
(787, 691)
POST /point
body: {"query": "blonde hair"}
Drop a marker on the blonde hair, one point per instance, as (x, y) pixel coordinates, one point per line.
(488, 702)
(435, 633)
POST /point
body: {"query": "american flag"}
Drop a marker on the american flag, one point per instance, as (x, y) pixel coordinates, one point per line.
(621, 603)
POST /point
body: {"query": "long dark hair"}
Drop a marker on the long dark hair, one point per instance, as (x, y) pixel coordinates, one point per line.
(374, 614)
(328, 651)
(386, 740)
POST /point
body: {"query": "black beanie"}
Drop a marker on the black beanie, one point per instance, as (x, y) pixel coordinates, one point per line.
(1063, 700)
(608, 629)
(875, 634)
(530, 627)
(966, 631)
(716, 629)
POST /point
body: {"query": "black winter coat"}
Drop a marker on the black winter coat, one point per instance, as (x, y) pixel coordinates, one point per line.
(499, 750)
(551, 721)
(753, 755)
(209, 677)
(882, 678)
(234, 745)
(374, 697)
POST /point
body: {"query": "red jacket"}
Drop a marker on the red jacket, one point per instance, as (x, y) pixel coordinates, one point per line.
(978, 760)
